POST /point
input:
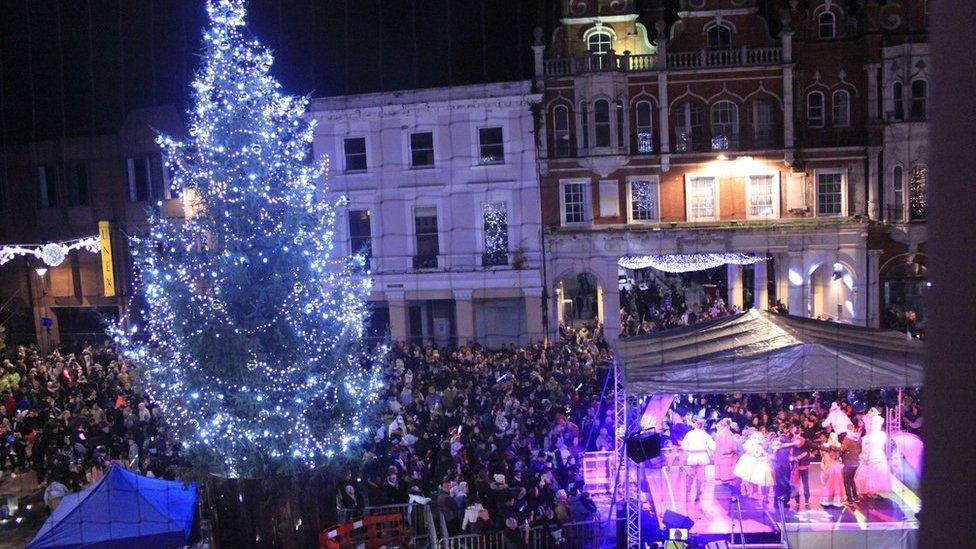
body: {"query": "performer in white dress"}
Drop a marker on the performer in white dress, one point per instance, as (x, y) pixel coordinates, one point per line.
(837, 420)
(753, 465)
(698, 448)
(873, 476)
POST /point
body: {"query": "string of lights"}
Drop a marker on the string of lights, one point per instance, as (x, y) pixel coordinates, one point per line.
(682, 263)
(250, 272)
(52, 253)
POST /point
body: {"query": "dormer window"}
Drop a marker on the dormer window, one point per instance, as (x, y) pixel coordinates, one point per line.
(826, 27)
(599, 43)
(719, 38)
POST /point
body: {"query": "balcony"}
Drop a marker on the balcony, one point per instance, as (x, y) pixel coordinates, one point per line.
(740, 57)
(704, 58)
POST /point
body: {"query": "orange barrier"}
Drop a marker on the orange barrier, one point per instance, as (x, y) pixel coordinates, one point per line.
(370, 532)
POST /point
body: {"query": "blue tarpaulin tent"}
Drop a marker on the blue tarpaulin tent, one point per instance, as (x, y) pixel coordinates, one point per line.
(122, 510)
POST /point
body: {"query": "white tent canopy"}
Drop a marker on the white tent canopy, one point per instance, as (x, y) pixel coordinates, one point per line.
(758, 352)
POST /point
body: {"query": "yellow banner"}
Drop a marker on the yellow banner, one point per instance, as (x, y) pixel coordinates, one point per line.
(108, 272)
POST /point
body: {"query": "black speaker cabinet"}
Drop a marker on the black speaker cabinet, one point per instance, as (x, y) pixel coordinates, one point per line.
(644, 446)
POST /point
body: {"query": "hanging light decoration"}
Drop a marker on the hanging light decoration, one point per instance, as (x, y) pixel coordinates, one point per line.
(683, 263)
(52, 253)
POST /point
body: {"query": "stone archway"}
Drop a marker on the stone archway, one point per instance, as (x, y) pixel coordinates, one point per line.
(832, 292)
(579, 299)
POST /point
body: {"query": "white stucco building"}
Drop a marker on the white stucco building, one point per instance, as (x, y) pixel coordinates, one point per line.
(442, 192)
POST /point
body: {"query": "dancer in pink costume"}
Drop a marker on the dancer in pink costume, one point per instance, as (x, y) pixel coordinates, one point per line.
(873, 475)
(726, 452)
(831, 473)
(753, 466)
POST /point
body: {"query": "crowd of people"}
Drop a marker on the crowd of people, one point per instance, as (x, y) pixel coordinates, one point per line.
(766, 443)
(649, 307)
(68, 417)
(492, 437)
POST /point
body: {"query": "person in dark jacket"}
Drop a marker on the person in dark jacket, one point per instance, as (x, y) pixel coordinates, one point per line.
(850, 455)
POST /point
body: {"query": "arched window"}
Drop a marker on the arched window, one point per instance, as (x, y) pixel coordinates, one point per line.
(898, 101)
(763, 123)
(725, 126)
(916, 197)
(584, 121)
(919, 93)
(719, 38)
(815, 109)
(688, 127)
(560, 126)
(620, 124)
(826, 27)
(897, 212)
(599, 45)
(841, 105)
(601, 123)
(645, 128)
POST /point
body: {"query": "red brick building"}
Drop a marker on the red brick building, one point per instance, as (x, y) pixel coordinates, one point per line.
(724, 128)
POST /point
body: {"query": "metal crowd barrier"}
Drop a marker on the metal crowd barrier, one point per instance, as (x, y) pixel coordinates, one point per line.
(575, 535)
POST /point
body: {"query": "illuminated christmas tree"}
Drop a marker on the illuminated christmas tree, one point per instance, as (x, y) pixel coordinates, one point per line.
(252, 329)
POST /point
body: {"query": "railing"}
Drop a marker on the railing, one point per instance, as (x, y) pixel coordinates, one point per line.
(418, 518)
(565, 66)
(724, 58)
(573, 534)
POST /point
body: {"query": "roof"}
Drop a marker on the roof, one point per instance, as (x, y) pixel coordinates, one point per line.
(122, 510)
(761, 352)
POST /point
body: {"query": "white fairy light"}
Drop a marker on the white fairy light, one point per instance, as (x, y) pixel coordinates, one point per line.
(682, 263)
(246, 305)
(52, 253)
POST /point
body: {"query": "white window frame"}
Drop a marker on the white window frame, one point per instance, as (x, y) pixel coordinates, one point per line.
(638, 128)
(408, 149)
(718, 30)
(608, 42)
(412, 220)
(733, 123)
(902, 183)
(492, 198)
(689, 210)
(479, 158)
(372, 233)
(846, 121)
(342, 145)
(833, 26)
(587, 202)
(843, 192)
(811, 121)
(655, 182)
(775, 195)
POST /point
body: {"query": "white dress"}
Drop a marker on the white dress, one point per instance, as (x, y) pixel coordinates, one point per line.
(753, 465)
(698, 447)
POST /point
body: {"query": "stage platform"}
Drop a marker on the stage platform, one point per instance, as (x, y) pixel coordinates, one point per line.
(890, 520)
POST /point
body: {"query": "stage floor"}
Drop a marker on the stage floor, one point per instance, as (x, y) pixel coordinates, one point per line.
(715, 513)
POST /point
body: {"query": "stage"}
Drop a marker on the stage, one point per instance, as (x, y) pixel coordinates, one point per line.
(890, 520)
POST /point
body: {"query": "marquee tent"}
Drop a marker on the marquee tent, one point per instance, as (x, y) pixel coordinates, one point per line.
(759, 352)
(122, 510)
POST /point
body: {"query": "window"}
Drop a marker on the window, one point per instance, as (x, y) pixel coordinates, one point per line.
(830, 194)
(360, 234)
(495, 230)
(601, 123)
(574, 202)
(584, 120)
(725, 126)
(825, 25)
(719, 38)
(166, 181)
(620, 124)
(47, 187)
(77, 175)
(645, 128)
(898, 101)
(688, 127)
(841, 105)
(421, 149)
(916, 198)
(560, 126)
(764, 124)
(815, 109)
(599, 45)
(140, 179)
(354, 149)
(763, 194)
(918, 109)
(898, 185)
(644, 200)
(425, 226)
(702, 199)
(491, 146)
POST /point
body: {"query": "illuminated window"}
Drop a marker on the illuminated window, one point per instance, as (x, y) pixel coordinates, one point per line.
(688, 127)
(645, 128)
(763, 196)
(830, 194)
(495, 231)
(702, 199)
(725, 126)
(491, 146)
(644, 199)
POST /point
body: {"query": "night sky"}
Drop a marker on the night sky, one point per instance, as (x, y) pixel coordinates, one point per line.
(75, 67)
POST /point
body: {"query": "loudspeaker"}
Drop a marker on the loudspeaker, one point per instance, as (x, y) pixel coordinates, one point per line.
(674, 520)
(642, 447)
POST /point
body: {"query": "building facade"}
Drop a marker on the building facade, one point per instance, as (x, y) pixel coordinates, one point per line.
(59, 190)
(439, 190)
(728, 130)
